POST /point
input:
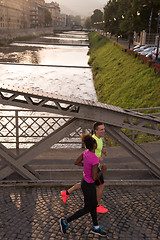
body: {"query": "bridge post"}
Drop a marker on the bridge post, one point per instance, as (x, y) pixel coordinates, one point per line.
(17, 132)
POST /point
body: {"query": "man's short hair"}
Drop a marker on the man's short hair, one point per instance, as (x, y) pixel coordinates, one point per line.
(96, 124)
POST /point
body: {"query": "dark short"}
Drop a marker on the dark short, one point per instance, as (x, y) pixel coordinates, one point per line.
(90, 195)
(100, 180)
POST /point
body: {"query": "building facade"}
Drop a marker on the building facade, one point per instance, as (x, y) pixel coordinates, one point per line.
(14, 14)
(37, 13)
(22, 14)
(54, 9)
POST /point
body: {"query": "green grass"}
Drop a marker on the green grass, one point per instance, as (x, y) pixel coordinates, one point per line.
(121, 79)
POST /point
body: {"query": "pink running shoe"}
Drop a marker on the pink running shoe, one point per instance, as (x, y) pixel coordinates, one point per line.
(101, 209)
(64, 196)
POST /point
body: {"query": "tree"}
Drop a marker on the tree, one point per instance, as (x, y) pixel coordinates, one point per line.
(97, 17)
(47, 17)
(114, 14)
(111, 17)
(77, 20)
(87, 23)
(125, 16)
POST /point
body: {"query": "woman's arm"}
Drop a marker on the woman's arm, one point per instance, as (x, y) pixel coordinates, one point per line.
(79, 161)
(95, 174)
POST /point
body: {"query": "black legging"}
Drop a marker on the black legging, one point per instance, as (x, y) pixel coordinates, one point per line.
(90, 202)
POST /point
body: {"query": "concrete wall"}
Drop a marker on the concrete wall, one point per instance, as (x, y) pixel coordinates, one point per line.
(28, 32)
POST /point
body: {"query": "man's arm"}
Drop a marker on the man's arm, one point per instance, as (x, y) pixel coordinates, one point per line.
(104, 153)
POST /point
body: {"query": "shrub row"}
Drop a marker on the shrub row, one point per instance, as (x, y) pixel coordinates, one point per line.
(149, 62)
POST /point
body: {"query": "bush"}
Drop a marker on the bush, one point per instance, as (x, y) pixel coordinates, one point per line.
(131, 52)
(157, 68)
(143, 59)
(149, 62)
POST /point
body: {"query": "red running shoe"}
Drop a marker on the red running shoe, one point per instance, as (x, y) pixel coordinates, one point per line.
(101, 209)
(64, 196)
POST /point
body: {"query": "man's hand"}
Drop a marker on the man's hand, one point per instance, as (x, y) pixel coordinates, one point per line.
(101, 159)
(105, 152)
(104, 167)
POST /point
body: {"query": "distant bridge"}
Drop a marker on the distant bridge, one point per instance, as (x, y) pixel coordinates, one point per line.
(77, 27)
(81, 113)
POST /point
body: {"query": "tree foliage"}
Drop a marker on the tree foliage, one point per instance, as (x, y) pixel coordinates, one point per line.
(77, 19)
(87, 23)
(124, 16)
(48, 18)
(97, 17)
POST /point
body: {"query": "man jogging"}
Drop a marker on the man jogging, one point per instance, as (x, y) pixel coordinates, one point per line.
(99, 131)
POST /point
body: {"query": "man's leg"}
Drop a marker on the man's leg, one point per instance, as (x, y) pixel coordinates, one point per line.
(100, 189)
(100, 208)
(74, 188)
(65, 194)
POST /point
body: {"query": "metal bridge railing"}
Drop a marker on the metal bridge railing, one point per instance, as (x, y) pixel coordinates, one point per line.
(21, 128)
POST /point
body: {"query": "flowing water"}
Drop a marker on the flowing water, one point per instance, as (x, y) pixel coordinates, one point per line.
(63, 68)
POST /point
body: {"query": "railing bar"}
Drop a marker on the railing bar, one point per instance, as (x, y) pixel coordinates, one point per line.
(135, 109)
(36, 142)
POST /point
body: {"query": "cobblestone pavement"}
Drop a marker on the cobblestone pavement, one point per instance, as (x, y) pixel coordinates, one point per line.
(34, 213)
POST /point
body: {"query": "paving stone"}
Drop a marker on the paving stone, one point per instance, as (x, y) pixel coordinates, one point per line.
(34, 213)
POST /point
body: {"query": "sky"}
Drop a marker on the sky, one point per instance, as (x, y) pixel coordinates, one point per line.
(80, 7)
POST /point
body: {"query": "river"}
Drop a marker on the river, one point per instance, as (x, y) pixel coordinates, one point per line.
(63, 68)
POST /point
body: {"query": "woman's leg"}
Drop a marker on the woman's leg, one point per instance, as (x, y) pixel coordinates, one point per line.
(90, 202)
(94, 216)
(77, 214)
(84, 210)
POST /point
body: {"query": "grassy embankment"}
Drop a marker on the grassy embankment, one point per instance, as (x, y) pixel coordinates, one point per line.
(121, 79)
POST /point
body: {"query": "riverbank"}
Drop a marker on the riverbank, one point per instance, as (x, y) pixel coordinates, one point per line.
(121, 79)
(22, 34)
(8, 36)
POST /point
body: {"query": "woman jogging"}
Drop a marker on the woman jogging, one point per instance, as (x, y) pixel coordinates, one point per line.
(90, 162)
(99, 130)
